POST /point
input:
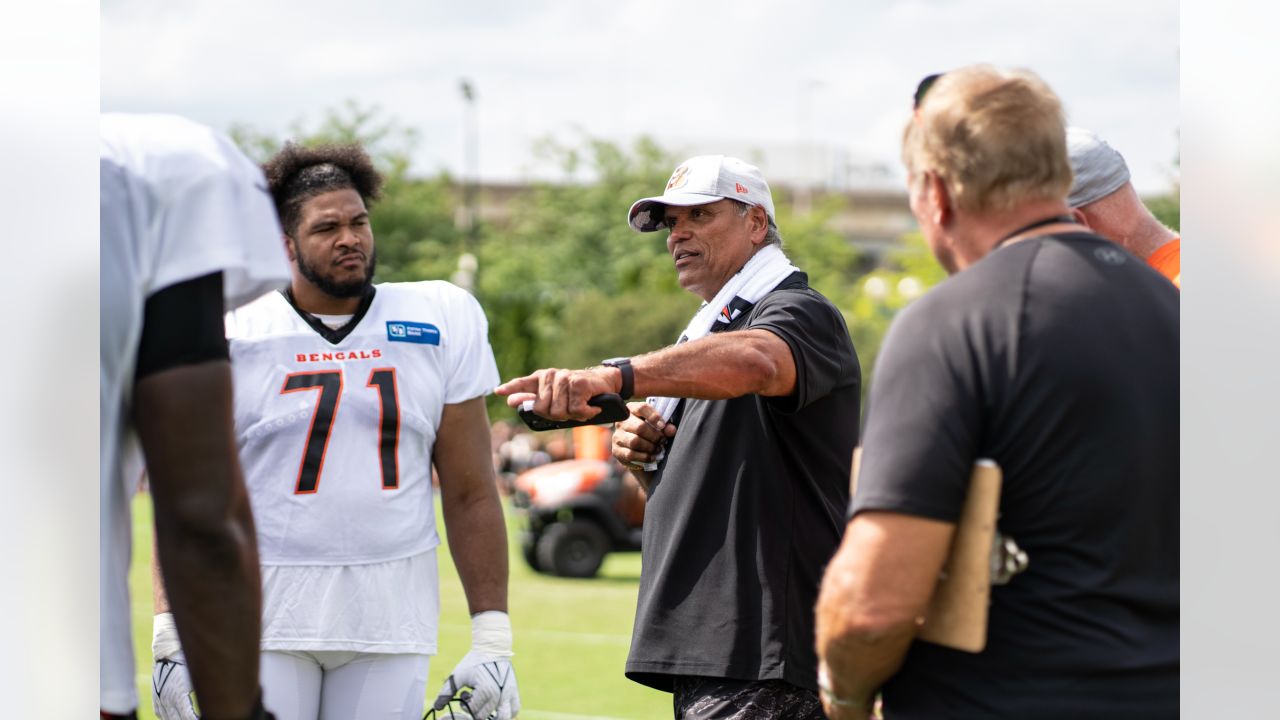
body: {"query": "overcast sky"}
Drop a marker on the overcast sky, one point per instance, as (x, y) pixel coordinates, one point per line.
(696, 76)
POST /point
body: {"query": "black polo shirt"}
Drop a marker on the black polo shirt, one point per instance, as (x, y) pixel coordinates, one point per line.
(1058, 358)
(747, 508)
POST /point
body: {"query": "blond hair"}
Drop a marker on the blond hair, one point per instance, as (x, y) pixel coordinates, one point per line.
(996, 138)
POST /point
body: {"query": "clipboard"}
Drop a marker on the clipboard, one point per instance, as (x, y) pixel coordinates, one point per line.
(957, 613)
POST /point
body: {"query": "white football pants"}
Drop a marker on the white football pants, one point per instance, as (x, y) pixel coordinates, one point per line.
(336, 685)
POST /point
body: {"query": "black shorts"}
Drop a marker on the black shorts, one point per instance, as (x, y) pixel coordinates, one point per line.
(707, 698)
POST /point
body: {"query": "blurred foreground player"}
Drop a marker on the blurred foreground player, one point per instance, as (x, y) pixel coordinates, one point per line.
(185, 224)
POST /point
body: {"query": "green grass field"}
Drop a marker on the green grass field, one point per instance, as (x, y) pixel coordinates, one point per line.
(571, 636)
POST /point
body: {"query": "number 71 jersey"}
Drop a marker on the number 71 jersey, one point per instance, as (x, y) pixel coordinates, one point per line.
(335, 429)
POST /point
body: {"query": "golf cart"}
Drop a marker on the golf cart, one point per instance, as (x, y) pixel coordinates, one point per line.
(577, 511)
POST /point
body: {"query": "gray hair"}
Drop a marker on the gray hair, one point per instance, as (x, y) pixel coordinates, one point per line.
(771, 234)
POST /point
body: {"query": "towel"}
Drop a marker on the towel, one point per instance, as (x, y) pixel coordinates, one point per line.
(762, 273)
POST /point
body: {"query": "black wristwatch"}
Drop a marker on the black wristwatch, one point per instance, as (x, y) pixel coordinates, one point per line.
(628, 375)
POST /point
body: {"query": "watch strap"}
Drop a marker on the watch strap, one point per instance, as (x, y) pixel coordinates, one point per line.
(628, 375)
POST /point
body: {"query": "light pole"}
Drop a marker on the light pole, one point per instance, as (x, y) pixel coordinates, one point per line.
(465, 276)
(471, 164)
(808, 173)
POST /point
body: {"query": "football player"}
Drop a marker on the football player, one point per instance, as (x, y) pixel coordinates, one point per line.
(346, 394)
(185, 223)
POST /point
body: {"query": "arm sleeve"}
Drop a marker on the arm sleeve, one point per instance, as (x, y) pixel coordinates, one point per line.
(473, 372)
(182, 325)
(819, 341)
(924, 419)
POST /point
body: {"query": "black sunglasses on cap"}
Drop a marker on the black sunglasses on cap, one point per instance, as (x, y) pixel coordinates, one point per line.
(923, 88)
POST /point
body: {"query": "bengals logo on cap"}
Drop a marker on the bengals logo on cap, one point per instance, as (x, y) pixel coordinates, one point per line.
(678, 178)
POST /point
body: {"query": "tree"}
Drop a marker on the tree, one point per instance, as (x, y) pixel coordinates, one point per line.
(565, 282)
(908, 273)
(568, 283)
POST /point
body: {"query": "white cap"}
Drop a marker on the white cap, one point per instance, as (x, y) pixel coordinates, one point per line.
(701, 180)
(1097, 169)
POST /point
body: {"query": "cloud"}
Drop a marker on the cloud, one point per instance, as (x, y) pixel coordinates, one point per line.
(831, 72)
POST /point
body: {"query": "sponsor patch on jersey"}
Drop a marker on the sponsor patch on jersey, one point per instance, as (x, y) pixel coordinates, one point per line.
(421, 333)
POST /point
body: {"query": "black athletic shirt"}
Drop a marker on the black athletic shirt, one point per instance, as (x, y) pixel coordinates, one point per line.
(747, 509)
(1056, 356)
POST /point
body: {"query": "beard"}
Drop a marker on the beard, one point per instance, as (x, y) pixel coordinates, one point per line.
(327, 285)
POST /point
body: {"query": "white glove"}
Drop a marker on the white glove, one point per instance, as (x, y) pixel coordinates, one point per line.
(171, 689)
(484, 681)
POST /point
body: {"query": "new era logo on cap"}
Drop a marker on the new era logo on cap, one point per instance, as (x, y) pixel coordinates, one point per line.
(678, 178)
(701, 180)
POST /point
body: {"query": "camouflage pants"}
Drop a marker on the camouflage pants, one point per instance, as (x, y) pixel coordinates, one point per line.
(705, 698)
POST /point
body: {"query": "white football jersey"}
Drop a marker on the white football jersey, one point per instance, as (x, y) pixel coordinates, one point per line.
(178, 201)
(336, 437)
(388, 607)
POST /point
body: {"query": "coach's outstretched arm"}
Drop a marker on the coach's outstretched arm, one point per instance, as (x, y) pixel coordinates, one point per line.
(478, 543)
(204, 531)
(718, 366)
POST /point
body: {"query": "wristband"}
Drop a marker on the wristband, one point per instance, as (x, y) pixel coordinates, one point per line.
(164, 637)
(491, 633)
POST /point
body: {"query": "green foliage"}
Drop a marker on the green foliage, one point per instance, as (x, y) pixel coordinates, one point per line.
(563, 280)
(1167, 209)
(597, 326)
(878, 296)
(387, 141)
(417, 238)
(832, 264)
(568, 283)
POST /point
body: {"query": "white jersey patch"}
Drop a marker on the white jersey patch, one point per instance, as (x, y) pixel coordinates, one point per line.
(336, 438)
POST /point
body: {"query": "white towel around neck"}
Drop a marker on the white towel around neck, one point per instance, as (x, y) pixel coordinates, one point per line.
(762, 273)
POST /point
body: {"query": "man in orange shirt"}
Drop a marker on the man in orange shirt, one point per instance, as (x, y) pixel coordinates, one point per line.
(1103, 198)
